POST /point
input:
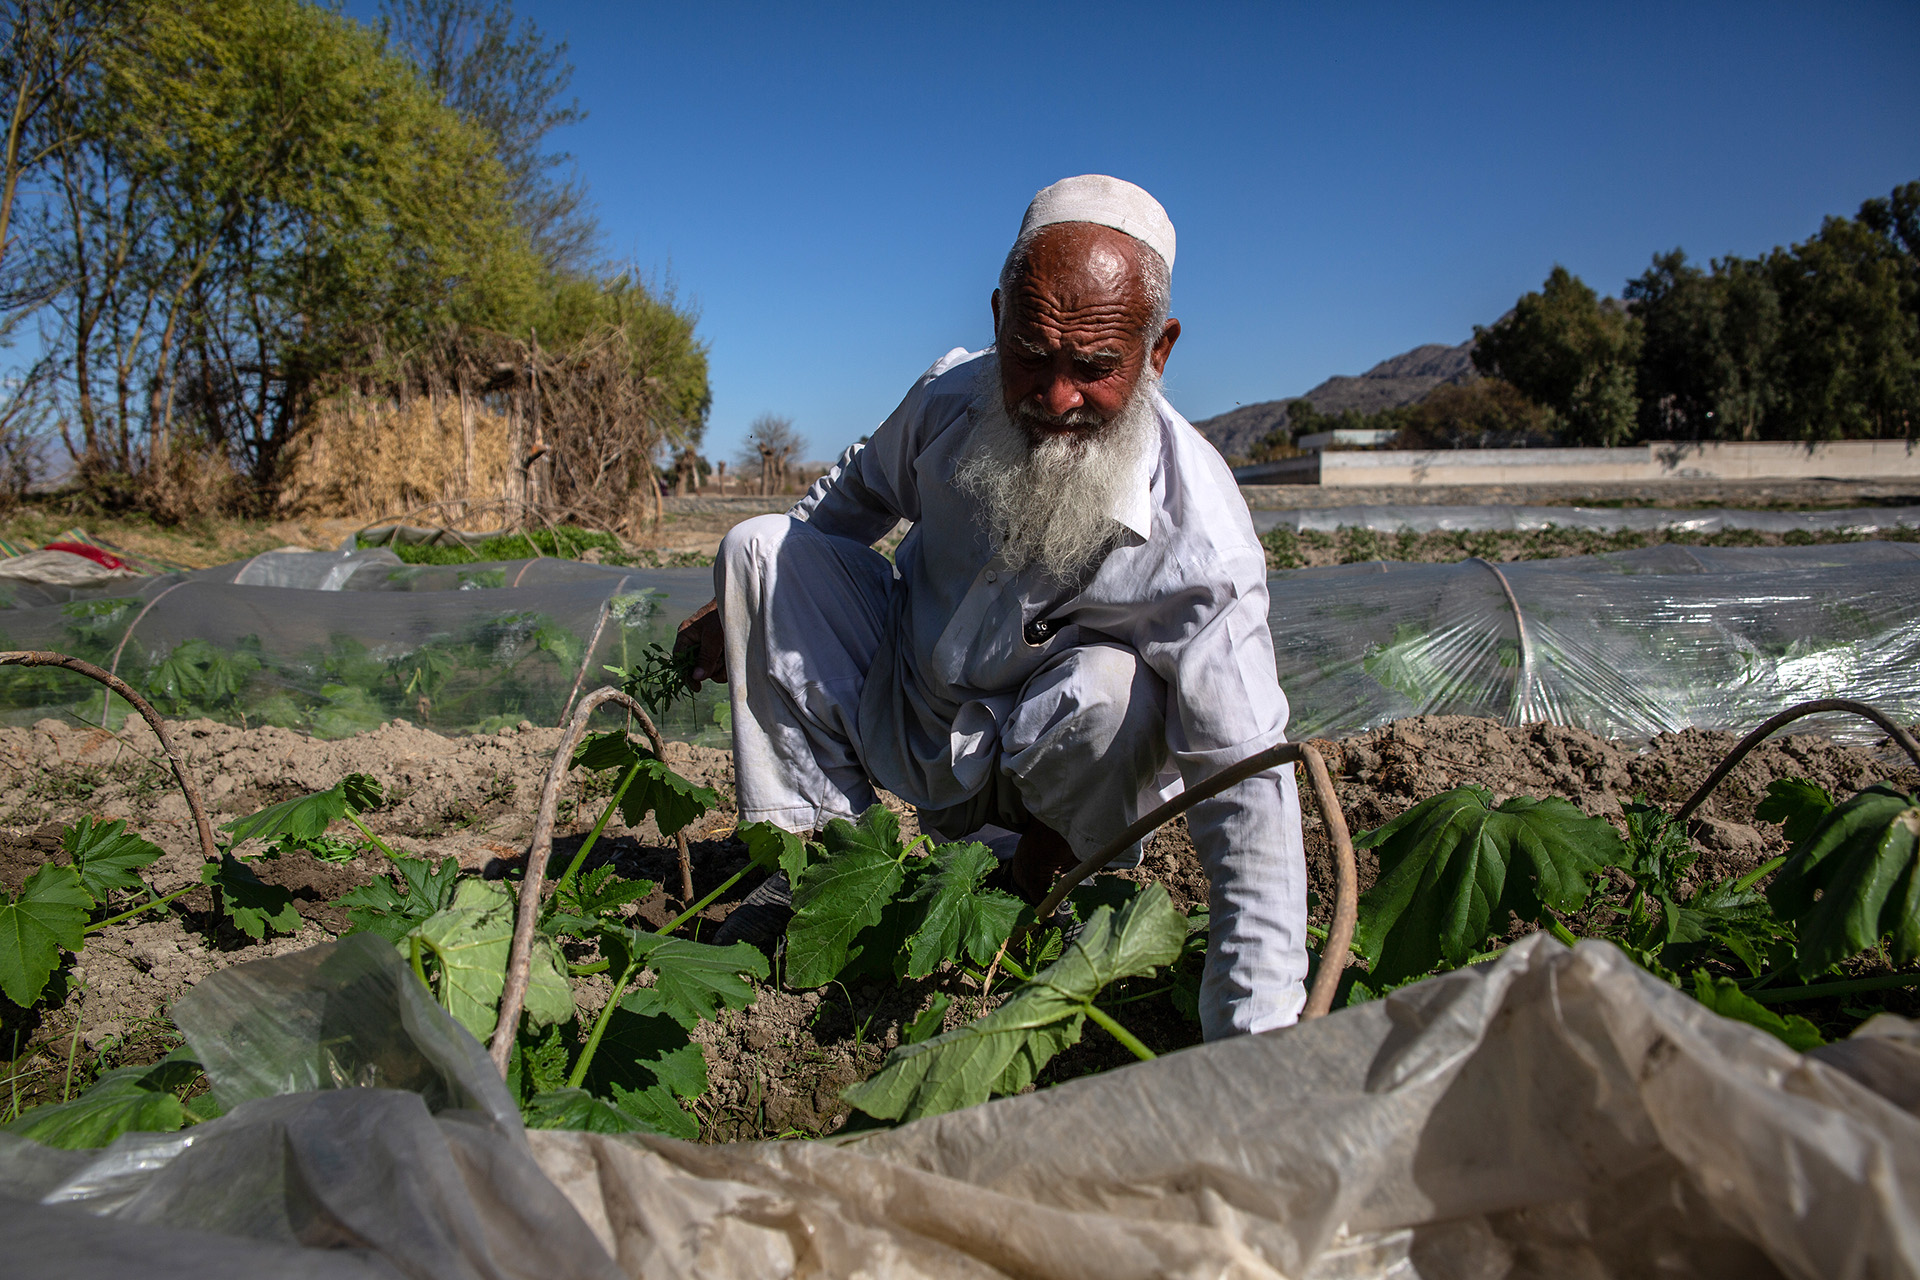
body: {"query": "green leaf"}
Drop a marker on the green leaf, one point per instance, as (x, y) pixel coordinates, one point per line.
(652, 1112)
(1003, 1052)
(693, 980)
(927, 1023)
(1852, 881)
(48, 916)
(643, 1047)
(542, 1063)
(382, 909)
(772, 849)
(125, 1100)
(599, 892)
(105, 856)
(673, 801)
(959, 918)
(1453, 867)
(1798, 804)
(253, 905)
(307, 817)
(471, 939)
(832, 902)
(609, 750)
(549, 999)
(1724, 997)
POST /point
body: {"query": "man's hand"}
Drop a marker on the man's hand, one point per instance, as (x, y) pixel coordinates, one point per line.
(702, 635)
(1038, 860)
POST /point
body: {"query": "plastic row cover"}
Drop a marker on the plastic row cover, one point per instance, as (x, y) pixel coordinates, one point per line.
(1626, 645)
(363, 639)
(1553, 1112)
(1476, 519)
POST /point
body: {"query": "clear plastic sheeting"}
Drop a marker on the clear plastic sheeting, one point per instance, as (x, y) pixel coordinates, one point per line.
(459, 649)
(1552, 1112)
(1478, 519)
(1625, 645)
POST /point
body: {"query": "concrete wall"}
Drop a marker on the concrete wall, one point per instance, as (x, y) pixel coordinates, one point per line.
(1638, 464)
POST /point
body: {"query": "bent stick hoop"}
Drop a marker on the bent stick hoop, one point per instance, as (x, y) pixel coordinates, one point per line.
(47, 658)
(514, 998)
(1774, 724)
(1333, 956)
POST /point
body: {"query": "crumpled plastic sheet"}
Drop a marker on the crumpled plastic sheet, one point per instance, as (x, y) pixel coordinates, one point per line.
(1549, 1113)
(1477, 519)
(1626, 645)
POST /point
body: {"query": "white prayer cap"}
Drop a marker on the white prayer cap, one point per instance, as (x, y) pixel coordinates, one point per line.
(1110, 202)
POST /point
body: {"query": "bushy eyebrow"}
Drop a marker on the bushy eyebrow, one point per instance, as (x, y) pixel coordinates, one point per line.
(1100, 355)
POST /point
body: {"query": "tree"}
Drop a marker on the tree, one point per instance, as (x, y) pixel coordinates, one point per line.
(1850, 299)
(509, 81)
(1567, 350)
(1486, 413)
(1708, 361)
(771, 446)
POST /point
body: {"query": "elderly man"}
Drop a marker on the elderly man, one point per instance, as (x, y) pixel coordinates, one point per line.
(1075, 626)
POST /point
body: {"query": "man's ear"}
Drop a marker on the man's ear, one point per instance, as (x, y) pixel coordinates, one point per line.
(994, 302)
(1162, 348)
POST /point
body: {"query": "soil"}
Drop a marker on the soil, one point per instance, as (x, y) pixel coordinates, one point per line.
(779, 1066)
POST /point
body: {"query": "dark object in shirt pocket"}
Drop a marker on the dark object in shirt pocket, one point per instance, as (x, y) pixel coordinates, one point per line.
(1041, 630)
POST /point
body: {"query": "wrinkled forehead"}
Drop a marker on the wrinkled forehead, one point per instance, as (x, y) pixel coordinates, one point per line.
(1080, 266)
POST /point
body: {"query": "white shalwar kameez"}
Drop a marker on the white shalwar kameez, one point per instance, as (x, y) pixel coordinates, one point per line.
(984, 696)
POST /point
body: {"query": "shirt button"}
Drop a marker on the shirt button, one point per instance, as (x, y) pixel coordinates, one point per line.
(992, 576)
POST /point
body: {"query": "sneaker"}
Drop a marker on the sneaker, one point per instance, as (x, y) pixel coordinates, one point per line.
(761, 918)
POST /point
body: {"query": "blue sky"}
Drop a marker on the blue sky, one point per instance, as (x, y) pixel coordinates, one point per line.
(834, 186)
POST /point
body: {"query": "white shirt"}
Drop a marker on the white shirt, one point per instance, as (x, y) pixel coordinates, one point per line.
(1185, 588)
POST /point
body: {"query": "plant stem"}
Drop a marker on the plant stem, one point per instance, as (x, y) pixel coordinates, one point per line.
(599, 1029)
(1785, 995)
(1752, 877)
(582, 970)
(1120, 1033)
(606, 815)
(73, 1049)
(1561, 932)
(378, 843)
(419, 965)
(705, 902)
(145, 906)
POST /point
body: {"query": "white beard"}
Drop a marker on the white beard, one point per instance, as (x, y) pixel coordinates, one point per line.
(1050, 503)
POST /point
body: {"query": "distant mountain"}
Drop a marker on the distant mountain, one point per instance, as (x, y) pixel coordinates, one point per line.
(1403, 379)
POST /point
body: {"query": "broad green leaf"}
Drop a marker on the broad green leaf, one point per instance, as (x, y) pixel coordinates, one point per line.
(609, 750)
(652, 1112)
(832, 902)
(48, 916)
(471, 939)
(673, 801)
(1852, 881)
(643, 1047)
(1724, 997)
(1453, 867)
(693, 980)
(125, 1100)
(1003, 1052)
(1798, 804)
(382, 909)
(959, 917)
(549, 999)
(307, 817)
(773, 849)
(878, 831)
(105, 856)
(253, 905)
